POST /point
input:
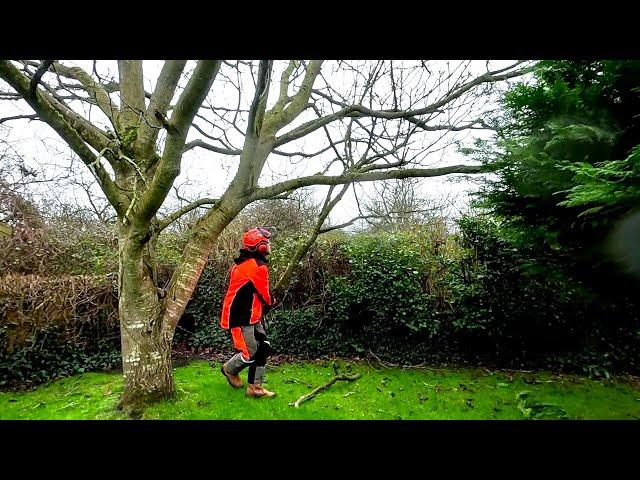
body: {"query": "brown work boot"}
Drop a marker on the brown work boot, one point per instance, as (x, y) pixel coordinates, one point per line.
(257, 391)
(234, 380)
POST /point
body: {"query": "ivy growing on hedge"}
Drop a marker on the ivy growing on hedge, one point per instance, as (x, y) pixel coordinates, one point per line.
(408, 298)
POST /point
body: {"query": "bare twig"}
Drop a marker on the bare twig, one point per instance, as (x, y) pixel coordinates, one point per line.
(322, 388)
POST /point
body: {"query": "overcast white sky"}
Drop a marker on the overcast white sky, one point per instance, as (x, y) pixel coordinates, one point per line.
(207, 173)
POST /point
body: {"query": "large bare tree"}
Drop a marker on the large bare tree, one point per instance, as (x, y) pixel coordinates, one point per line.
(366, 121)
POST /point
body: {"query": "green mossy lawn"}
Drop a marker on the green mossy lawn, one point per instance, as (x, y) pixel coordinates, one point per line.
(381, 393)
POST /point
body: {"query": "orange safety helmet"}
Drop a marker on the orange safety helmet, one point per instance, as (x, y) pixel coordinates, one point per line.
(257, 239)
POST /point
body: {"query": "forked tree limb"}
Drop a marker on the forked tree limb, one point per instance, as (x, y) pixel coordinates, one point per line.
(310, 395)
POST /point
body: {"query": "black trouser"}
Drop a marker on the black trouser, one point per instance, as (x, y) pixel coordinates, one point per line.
(254, 349)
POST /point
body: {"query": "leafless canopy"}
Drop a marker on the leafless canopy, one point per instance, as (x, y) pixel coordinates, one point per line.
(330, 122)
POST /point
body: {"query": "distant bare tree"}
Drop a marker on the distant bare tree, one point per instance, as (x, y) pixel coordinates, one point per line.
(397, 205)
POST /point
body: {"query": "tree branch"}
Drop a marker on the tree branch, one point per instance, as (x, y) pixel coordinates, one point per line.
(276, 119)
(88, 132)
(316, 391)
(256, 112)
(267, 192)
(93, 88)
(131, 93)
(199, 143)
(169, 166)
(285, 81)
(55, 119)
(302, 251)
(229, 151)
(18, 117)
(169, 219)
(346, 224)
(359, 111)
(160, 99)
(37, 76)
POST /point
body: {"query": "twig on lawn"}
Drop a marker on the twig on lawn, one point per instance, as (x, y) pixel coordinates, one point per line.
(336, 378)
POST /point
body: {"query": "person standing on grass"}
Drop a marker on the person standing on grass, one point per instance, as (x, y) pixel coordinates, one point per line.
(245, 302)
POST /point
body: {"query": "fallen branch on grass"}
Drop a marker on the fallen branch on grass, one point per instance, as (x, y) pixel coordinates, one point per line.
(310, 395)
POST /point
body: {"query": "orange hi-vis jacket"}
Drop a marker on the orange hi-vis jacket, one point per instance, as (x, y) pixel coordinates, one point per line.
(248, 290)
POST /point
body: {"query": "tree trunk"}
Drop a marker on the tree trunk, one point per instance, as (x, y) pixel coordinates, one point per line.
(148, 318)
(283, 283)
(146, 348)
(195, 257)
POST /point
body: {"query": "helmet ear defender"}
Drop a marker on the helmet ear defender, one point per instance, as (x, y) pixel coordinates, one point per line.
(257, 240)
